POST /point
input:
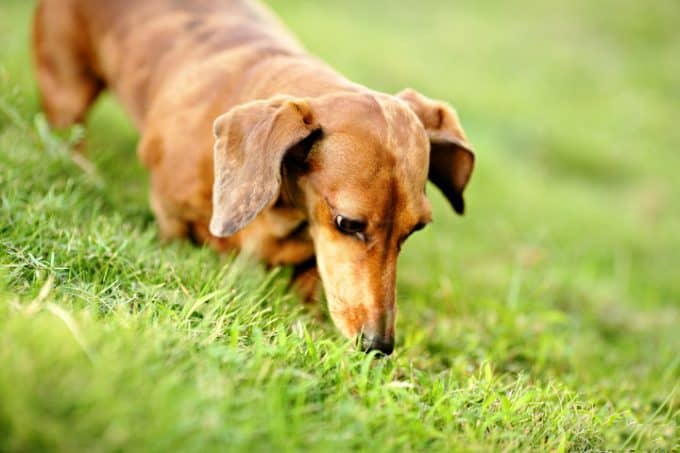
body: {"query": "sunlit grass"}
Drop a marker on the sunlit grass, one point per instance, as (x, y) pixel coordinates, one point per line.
(545, 319)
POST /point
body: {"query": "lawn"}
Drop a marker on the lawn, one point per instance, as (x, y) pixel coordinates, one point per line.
(545, 319)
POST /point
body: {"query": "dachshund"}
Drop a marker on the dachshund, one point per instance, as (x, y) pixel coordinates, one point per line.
(253, 144)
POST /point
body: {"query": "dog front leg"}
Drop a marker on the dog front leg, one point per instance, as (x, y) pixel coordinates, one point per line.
(306, 282)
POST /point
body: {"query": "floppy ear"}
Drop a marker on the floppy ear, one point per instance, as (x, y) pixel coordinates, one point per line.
(252, 141)
(451, 157)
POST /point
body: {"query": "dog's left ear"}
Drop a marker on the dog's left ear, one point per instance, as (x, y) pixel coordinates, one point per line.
(451, 157)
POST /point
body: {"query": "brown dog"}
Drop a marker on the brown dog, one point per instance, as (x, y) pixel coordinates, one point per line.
(306, 165)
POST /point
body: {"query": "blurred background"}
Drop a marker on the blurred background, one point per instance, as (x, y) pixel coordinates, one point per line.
(567, 262)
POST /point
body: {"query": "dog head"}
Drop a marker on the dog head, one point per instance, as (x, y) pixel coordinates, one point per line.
(357, 165)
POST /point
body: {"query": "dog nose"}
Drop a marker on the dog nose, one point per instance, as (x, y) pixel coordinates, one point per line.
(384, 346)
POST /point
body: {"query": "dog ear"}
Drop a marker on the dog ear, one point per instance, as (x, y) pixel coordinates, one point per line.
(252, 141)
(451, 157)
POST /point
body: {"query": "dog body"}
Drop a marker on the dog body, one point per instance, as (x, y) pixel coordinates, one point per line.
(253, 144)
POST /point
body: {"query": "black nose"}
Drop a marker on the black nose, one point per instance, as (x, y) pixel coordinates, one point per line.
(381, 345)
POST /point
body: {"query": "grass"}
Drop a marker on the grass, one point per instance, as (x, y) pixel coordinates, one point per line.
(545, 319)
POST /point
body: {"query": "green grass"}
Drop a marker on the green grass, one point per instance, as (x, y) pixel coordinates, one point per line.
(545, 319)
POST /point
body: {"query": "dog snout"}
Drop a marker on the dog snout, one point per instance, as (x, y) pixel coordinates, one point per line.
(377, 332)
(381, 345)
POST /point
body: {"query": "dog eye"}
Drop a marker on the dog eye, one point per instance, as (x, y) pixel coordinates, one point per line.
(350, 226)
(418, 227)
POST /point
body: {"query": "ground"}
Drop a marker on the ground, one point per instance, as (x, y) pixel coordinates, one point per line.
(545, 319)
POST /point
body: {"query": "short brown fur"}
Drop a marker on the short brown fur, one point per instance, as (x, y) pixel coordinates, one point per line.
(253, 144)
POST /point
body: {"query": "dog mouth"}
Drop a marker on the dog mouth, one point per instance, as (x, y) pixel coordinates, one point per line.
(381, 348)
(349, 322)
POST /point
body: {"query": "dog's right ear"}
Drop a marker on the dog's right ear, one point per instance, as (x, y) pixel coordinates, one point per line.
(252, 141)
(451, 157)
